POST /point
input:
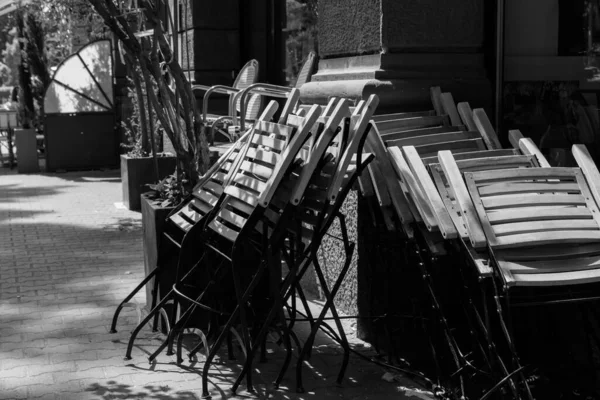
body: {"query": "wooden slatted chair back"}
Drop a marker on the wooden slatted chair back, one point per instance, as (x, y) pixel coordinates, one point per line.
(542, 224)
(291, 190)
(535, 206)
(337, 168)
(268, 155)
(479, 163)
(209, 188)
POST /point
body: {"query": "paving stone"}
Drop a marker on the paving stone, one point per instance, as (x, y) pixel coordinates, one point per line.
(64, 266)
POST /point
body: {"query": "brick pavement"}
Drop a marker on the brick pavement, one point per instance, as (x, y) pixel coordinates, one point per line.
(67, 257)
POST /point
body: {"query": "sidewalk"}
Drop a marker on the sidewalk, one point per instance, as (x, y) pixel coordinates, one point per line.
(68, 255)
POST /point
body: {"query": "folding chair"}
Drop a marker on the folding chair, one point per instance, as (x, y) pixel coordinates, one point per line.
(191, 211)
(246, 77)
(541, 229)
(229, 231)
(314, 212)
(271, 90)
(432, 212)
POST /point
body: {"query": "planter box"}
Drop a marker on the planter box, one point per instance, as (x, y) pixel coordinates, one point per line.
(153, 221)
(137, 173)
(27, 157)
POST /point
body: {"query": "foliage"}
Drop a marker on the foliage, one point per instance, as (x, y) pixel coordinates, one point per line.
(26, 107)
(168, 192)
(172, 99)
(133, 128)
(11, 58)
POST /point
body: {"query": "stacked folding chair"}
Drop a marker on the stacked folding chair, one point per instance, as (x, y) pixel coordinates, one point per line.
(523, 234)
(408, 143)
(251, 207)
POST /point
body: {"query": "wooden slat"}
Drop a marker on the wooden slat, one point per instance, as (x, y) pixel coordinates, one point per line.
(528, 147)
(485, 162)
(552, 266)
(180, 222)
(249, 182)
(543, 253)
(528, 187)
(485, 177)
(398, 200)
(466, 114)
(404, 124)
(378, 181)
(232, 218)
(410, 186)
(485, 127)
(223, 230)
(428, 188)
(213, 187)
(544, 238)
(555, 213)
(411, 133)
(268, 157)
(461, 194)
(449, 108)
(403, 115)
(200, 206)
(256, 169)
(590, 171)
(461, 145)
(435, 93)
(191, 213)
(556, 279)
(240, 205)
(531, 200)
(266, 141)
(270, 128)
(242, 194)
(514, 136)
(207, 197)
(473, 155)
(544, 226)
(435, 138)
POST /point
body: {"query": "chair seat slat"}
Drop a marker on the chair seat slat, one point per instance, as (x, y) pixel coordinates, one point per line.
(455, 146)
(543, 226)
(223, 230)
(242, 194)
(544, 238)
(531, 200)
(232, 218)
(553, 213)
(249, 182)
(528, 187)
(180, 222)
(435, 138)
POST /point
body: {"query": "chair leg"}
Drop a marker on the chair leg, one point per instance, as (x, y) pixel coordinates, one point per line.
(113, 326)
(139, 327)
(328, 304)
(223, 335)
(510, 342)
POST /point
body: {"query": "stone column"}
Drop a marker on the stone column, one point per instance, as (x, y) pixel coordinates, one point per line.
(398, 49)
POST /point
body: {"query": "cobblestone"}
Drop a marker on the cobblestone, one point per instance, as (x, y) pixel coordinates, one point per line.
(68, 257)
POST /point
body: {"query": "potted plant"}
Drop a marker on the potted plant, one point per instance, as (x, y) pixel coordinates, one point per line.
(156, 206)
(140, 166)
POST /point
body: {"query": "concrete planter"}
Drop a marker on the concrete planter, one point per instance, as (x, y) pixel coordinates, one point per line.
(153, 221)
(27, 157)
(137, 173)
